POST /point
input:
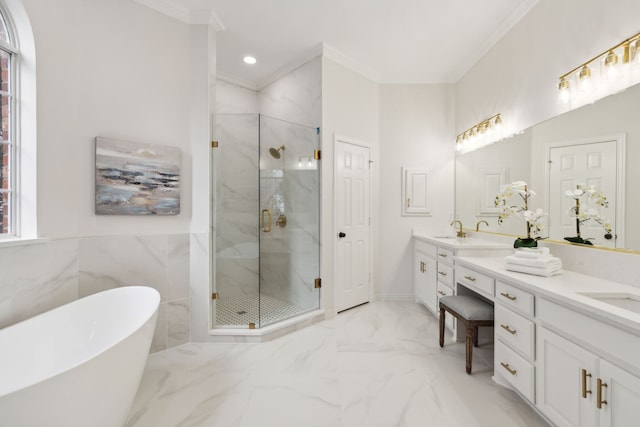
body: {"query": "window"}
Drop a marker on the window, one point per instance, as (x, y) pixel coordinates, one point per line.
(7, 131)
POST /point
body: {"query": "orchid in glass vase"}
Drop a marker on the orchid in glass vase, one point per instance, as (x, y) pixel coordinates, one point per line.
(581, 214)
(533, 218)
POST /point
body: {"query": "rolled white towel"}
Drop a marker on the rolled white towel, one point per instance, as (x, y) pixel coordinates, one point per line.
(546, 272)
(543, 262)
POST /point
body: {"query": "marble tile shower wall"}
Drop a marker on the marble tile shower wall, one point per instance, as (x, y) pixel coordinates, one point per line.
(237, 206)
(159, 261)
(289, 260)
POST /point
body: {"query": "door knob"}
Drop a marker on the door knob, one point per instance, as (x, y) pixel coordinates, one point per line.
(341, 235)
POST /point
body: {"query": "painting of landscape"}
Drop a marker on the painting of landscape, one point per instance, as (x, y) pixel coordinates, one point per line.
(136, 179)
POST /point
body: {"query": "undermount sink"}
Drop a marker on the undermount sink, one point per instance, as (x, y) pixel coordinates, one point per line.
(630, 302)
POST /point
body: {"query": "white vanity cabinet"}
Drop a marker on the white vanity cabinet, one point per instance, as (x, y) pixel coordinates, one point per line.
(580, 386)
(445, 280)
(514, 356)
(425, 275)
(433, 275)
(576, 361)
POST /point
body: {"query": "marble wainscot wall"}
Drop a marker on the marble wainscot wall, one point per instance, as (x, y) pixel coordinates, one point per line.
(43, 274)
(37, 277)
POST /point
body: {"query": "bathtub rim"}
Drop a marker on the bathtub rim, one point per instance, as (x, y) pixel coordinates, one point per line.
(22, 386)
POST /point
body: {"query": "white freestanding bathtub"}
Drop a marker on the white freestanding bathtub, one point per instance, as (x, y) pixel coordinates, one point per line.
(78, 365)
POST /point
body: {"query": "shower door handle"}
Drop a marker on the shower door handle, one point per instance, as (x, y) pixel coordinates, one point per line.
(266, 228)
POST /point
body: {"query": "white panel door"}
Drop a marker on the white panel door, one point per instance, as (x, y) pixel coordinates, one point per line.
(590, 164)
(621, 391)
(563, 392)
(353, 278)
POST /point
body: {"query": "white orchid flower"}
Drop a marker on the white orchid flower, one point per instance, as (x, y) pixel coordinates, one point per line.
(574, 193)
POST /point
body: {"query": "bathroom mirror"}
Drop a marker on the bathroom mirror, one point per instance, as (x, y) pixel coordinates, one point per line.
(480, 173)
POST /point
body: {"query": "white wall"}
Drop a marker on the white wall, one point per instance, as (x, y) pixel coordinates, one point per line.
(114, 69)
(518, 77)
(350, 108)
(105, 68)
(416, 124)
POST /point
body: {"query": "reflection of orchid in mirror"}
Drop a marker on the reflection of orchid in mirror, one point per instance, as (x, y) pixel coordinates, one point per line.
(583, 215)
(533, 218)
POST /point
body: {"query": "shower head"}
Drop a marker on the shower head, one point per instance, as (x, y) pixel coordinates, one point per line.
(275, 152)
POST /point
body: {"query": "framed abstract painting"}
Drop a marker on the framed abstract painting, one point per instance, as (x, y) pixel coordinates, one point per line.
(137, 179)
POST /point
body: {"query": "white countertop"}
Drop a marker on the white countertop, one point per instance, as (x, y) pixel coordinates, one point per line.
(565, 288)
(452, 242)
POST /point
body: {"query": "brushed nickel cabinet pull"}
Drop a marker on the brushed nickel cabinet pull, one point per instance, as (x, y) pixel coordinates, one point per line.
(473, 279)
(599, 400)
(508, 329)
(442, 255)
(442, 273)
(584, 383)
(507, 296)
(508, 368)
(442, 293)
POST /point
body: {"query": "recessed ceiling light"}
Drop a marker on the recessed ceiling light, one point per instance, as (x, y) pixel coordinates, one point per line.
(249, 60)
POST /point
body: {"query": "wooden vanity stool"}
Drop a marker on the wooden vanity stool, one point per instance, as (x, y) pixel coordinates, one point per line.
(473, 311)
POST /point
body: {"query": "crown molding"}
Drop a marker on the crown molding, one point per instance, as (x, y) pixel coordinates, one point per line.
(355, 66)
(238, 82)
(320, 50)
(181, 13)
(287, 68)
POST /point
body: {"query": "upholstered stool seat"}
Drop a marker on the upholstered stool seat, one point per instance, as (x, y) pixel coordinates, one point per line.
(473, 312)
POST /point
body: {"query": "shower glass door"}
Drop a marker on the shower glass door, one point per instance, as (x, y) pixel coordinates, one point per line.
(267, 221)
(289, 220)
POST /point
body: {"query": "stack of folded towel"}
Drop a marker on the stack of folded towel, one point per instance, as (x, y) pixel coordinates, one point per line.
(536, 261)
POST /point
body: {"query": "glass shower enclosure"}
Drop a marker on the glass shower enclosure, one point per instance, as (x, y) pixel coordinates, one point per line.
(267, 221)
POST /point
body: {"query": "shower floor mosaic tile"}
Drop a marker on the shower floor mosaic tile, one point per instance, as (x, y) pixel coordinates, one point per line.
(242, 310)
(378, 365)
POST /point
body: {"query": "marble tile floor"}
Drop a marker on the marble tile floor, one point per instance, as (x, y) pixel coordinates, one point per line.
(378, 365)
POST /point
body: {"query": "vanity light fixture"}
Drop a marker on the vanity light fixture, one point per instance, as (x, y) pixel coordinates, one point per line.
(481, 134)
(613, 68)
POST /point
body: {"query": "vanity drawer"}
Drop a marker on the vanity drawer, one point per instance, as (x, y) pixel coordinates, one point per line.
(474, 280)
(445, 255)
(445, 290)
(515, 370)
(515, 330)
(445, 273)
(425, 248)
(515, 298)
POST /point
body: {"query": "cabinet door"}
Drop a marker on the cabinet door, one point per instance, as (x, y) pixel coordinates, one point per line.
(425, 280)
(419, 279)
(621, 391)
(563, 392)
(414, 192)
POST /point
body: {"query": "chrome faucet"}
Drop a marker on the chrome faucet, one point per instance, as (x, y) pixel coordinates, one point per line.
(480, 222)
(460, 233)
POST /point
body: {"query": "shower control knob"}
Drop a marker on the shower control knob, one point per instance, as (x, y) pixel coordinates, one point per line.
(341, 235)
